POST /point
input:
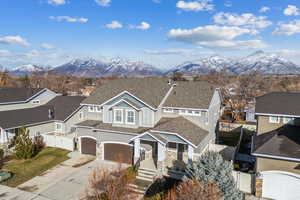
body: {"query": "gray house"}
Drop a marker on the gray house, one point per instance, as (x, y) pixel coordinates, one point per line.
(151, 121)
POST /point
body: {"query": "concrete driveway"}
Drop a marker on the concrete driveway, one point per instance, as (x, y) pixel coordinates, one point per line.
(63, 182)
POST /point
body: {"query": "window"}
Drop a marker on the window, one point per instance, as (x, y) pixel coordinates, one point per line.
(98, 108)
(91, 108)
(172, 146)
(95, 109)
(130, 117)
(36, 102)
(181, 112)
(288, 120)
(168, 110)
(118, 116)
(197, 112)
(58, 126)
(274, 120)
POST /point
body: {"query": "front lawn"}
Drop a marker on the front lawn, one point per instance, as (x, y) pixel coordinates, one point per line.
(24, 170)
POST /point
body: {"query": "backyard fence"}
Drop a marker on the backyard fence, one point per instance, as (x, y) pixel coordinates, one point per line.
(244, 181)
(63, 142)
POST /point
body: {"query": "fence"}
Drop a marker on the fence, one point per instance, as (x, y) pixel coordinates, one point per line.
(244, 181)
(227, 126)
(63, 142)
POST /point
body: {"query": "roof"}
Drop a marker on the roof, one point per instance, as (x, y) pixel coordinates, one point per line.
(190, 94)
(282, 142)
(12, 95)
(280, 103)
(183, 127)
(151, 90)
(61, 106)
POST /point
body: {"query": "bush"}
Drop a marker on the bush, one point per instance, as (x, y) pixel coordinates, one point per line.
(1, 157)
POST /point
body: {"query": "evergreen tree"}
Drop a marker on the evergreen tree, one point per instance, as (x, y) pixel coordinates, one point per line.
(212, 168)
(24, 146)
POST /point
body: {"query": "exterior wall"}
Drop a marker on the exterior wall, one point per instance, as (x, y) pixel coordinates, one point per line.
(44, 98)
(124, 124)
(147, 117)
(266, 164)
(214, 114)
(91, 115)
(41, 128)
(69, 124)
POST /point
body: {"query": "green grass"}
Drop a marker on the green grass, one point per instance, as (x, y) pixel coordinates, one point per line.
(24, 170)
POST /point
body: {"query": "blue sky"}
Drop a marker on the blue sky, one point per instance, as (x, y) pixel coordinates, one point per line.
(160, 32)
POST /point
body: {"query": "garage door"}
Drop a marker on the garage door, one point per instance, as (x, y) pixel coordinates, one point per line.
(88, 146)
(281, 185)
(118, 153)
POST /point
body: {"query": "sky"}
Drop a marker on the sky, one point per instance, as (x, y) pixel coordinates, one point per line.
(163, 33)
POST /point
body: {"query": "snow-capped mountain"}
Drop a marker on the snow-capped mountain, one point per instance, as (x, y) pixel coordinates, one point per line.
(98, 68)
(27, 69)
(265, 63)
(203, 66)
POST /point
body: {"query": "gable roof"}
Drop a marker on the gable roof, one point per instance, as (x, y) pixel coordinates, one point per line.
(15, 95)
(150, 90)
(190, 94)
(280, 103)
(61, 106)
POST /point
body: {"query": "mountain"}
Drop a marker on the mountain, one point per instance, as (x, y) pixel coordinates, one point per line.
(203, 66)
(97, 68)
(27, 69)
(265, 63)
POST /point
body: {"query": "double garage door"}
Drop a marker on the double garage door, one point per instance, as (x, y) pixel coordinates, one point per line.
(281, 185)
(111, 151)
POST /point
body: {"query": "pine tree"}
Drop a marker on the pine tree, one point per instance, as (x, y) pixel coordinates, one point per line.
(212, 168)
(24, 146)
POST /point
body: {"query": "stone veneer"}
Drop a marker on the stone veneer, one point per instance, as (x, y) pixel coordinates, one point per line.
(258, 187)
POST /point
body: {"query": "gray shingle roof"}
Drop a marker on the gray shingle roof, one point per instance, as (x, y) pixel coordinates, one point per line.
(9, 95)
(61, 106)
(278, 103)
(150, 90)
(190, 94)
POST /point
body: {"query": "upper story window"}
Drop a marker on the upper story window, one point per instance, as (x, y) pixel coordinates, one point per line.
(288, 120)
(168, 110)
(35, 101)
(118, 116)
(58, 126)
(130, 117)
(94, 108)
(190, 112)
(274, 120)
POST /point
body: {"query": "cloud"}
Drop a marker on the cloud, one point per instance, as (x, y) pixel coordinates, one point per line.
(168, 52)
(288, 52)
(47, 46)
(208, 33)
(195, 6)
(246, 19)
(288, 29)
(57, 2)
(235, 45)
(14, 40)
(264, 9)
(291, 10)
(114, 25)
(103, 3)
(228, 4)
(69, 19)
(142, 26)
(4, 52)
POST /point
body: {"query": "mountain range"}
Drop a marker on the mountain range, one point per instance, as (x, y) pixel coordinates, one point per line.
(265, 63)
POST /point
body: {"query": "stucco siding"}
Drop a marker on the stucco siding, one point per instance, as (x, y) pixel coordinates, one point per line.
(41, 128)
(147, 117)
(74, 119)
(266, 164)
(91, 115)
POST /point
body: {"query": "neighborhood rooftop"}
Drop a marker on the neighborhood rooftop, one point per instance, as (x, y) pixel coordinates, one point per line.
(61, 107)
(10, 95)
(281, 103)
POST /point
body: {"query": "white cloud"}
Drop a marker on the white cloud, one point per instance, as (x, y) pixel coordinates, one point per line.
(168, 52)
(142, 26)
(288, 52)
(114, 25)
(200, 5)
(246, 19)
(57, 2)
(69, 19)
(103, 3)
(235, 45)
(14, 40)
(47, 46)
(208, 33)
(288, 29)
(291, 10)
(264, 9)
(4, 52)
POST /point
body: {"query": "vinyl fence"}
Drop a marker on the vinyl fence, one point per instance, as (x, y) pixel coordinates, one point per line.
(244, 181)
(63, 142)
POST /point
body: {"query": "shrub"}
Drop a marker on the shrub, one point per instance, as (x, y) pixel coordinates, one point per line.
(1, 157)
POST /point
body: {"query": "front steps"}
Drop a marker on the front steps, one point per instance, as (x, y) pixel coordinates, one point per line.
(146, 174)
(144, 179)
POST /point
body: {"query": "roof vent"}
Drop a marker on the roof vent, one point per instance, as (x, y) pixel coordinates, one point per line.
(50, 114)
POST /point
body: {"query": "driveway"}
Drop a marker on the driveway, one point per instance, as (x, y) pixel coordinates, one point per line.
(63, 182)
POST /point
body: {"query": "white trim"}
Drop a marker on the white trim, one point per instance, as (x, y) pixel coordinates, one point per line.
(279, 115)
(180, 108)
(114, 142)
(123, 100)
(122, 117)
(73, 113)
(126, 117)
(111, 131)
(138, 136)
(87, 137)
(276, 157)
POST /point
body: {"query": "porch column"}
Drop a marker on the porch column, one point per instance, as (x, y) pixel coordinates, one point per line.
(190, 153)
(137, 151)
(161, 156)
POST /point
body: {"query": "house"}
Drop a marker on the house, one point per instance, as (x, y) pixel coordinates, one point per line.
(153, 122)
(276, 145)
(52, 115)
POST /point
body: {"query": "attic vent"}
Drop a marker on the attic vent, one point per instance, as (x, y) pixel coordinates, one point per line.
(50, 114)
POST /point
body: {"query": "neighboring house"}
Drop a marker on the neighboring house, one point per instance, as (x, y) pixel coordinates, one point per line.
(277, 145)
(150, 121)
(21, 98)
(55, 117)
